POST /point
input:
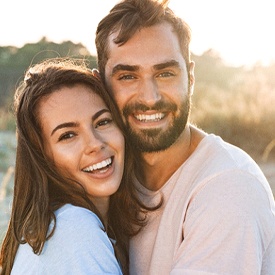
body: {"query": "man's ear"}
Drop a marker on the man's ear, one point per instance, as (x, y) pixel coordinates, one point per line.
(96, 74)
(191, 76)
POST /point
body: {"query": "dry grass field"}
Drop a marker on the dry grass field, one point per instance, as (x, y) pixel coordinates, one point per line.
(268, 169)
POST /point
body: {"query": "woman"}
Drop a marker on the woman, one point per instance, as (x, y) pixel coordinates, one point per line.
(74, 206)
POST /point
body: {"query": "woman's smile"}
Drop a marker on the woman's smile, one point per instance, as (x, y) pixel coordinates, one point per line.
(86, 146)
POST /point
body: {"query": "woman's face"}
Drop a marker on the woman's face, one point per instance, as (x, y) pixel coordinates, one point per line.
(82, 139)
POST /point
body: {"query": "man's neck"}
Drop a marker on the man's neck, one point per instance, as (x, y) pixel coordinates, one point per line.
(154, 169)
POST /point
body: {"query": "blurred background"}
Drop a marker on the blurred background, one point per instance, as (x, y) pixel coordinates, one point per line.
(233, 47)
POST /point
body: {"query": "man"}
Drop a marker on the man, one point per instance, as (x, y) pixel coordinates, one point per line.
(218, 213)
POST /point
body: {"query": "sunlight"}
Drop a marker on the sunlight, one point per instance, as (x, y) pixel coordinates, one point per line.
(241, 31)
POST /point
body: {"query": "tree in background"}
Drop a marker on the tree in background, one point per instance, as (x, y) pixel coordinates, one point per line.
(14, 61)
(236, 103)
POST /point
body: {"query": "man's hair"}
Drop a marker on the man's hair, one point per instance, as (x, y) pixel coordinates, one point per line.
(129, 16)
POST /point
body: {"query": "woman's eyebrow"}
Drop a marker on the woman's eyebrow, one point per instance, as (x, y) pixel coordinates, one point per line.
(64, 125)
(76, 124)
(99, 113)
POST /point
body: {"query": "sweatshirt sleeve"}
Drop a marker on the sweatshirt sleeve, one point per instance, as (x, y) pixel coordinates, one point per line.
(227, 227)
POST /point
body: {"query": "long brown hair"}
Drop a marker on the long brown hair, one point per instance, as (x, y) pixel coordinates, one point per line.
(38, 188)
(129, 16)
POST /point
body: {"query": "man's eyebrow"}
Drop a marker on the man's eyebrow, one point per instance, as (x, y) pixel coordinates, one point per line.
(134, 68)
(124, 67)
(76, 124)
(170, 63)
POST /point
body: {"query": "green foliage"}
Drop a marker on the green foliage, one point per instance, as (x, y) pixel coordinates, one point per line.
(7, 121)
(7, 150)
(15, 61)
(236, 103)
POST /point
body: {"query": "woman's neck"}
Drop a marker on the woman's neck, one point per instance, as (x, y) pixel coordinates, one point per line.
(102, 205)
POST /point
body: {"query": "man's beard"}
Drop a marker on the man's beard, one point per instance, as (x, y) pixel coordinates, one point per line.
(155, 140)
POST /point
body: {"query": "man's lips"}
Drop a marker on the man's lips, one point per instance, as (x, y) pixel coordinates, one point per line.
(149, 117)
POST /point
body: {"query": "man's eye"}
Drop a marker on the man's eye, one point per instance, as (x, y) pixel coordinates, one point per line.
(66, 136)
(126, 77)
(166, 74)
(103, 122)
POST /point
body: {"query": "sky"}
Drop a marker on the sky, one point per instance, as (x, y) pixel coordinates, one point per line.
(240, 31)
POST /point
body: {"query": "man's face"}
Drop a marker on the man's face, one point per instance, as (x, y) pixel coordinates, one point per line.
(149, 81)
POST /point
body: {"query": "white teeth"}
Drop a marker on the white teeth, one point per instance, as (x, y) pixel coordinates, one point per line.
(99, 165)
(153, 117)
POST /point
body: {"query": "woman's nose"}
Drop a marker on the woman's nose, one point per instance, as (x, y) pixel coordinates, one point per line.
(93, 142)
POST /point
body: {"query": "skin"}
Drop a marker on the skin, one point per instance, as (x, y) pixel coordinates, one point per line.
(147, 69)
(80, 135)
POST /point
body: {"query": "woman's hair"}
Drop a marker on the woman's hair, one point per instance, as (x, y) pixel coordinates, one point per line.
(128, 17)
(38, 188)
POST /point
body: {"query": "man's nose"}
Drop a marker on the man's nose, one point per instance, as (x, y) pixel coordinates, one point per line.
(149, 92)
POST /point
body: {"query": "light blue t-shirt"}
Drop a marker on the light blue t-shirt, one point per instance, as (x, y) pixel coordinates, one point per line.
(79, 245)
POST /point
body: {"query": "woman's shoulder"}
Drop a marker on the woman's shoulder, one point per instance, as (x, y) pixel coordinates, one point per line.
(80, 236)
(79, 245)
(78, 225)
(69, 210)
(71, 218)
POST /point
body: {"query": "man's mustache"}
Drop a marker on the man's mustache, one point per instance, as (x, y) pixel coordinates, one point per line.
(160, 106)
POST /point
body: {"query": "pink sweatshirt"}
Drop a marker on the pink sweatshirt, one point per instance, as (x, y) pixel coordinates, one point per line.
(218, 217)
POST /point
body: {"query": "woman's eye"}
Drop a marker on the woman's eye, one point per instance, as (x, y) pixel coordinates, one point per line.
(66, 136)
(103, 122)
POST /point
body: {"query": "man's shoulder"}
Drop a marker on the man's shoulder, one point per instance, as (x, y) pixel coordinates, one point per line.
(214, 151)
(218, 161)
